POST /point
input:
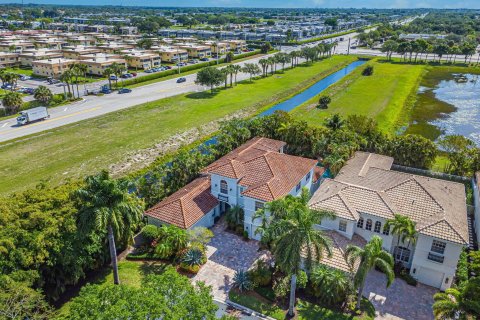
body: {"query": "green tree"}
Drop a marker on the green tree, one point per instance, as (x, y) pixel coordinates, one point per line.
(210, 76)
(334, 122)
(252, 69)
(404, 228)
(107, 204)
(12, 102)
(367, 258)
(412, 150)
(107, 73)
(67, 77)
(330, 285)
(266, 47)
(236, 69)
(458, 303)
(324, 101)
(389, 47)
(293, 236)
(43, 94)
(165, 296)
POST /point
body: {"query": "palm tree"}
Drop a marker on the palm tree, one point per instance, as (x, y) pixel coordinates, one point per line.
(12, 102)
(252, 69)
(236, 69)
(107, 204)
(107, 73)
(462, 302)
(404, 228)
(264, 63)
(43, 94)
(293, 237)
(330, 284)
(369, 257)
(67, 77)
(335, 122)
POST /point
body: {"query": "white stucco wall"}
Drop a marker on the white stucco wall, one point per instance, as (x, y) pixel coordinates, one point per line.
(476, 197)
(422, 268)
(232, 188)
(333, 224)
(367, 235)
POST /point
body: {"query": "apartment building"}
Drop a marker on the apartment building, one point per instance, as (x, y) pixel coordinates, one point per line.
(8, 59)
(196, 51)
(27, 57)
(52, 67)
(98, 64)
(139, 59)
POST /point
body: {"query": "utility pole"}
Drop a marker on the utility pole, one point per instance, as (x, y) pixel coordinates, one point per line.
(348, 48)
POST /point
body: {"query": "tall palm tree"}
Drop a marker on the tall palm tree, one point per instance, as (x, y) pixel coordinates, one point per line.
(264, 63)
(236, 69)
(369, 257)
(43, 94)
(107, 73)
(293, 237)
(330, 284)
(107, 204)
(404, 228)
(67, 77)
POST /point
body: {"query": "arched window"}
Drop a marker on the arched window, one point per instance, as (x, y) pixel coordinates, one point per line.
(360, 223)
(223, 187)
(378, 227)
(386, 230)
(368, 226)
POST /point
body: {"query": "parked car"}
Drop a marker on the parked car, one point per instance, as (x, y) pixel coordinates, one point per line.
(105, 90)
(24, 77)
(113, 77)
(134, 74)
(168, 67)
(180, 80)
(124, 90)
(149, 71)
(204, 59)
(50, 80)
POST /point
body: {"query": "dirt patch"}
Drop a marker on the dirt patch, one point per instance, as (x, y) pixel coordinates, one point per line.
(142, 158)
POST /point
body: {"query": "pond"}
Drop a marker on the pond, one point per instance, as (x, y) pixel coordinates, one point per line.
(447, 103)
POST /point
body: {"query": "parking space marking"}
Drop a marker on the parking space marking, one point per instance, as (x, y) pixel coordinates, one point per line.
(65, 109)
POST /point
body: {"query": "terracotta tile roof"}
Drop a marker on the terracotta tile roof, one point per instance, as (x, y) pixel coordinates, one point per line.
(366, 184)
(339, 244)
(186, 206)
(318, 173)
(258, 166)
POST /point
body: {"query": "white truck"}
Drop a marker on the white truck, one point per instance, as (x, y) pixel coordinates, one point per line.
(31, 115)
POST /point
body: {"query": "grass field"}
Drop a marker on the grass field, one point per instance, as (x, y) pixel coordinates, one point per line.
(85, 147)
(386, 95)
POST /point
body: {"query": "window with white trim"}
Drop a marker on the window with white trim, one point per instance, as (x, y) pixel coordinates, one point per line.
(342, 225)
(360, 223)
(368, 226)
(386, 229)
(438, 246)
(258, 205)
(309, 174)
(401, 254)
(223, 187)
(299, 185)
(378, 227)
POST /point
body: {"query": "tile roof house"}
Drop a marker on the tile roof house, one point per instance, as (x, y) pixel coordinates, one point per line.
(251, 175)
(366, 193)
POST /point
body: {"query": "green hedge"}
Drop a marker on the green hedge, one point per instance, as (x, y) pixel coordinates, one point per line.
(187, 68)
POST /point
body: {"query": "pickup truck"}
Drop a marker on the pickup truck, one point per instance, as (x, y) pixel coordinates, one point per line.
(31, 115)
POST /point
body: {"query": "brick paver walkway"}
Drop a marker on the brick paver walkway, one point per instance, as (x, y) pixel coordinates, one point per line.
(400, 300)
(227, 253)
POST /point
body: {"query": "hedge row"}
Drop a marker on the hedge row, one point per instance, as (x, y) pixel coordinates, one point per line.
(174, 70)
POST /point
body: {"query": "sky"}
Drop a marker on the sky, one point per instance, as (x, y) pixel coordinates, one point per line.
(444, 4)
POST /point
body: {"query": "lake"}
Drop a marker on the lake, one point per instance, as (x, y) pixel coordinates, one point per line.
(447, 103)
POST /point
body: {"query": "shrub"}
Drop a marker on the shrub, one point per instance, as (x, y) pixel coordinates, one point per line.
(239, 230)
(190, 269)
(241, 280)
(200, 236)
(368, 71)
(193, 257)
(323, 102)
(261, 274)
(150, 232)
(330, 285)
(408, 278)
(245, 234)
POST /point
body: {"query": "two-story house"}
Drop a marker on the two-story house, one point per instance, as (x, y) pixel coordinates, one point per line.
(253, 174)
(366, 193)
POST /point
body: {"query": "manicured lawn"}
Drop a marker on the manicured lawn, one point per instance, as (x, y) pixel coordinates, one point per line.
(305, 310)
(24, 71)
(387, 95)
(131, 273)
(85, 147)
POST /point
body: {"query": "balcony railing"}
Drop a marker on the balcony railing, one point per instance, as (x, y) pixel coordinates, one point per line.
(435, 257)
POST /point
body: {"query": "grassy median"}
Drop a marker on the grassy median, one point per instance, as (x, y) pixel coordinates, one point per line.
(82, 148)
(386, 96)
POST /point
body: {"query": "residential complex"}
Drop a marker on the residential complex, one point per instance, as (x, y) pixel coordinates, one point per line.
(364, 196)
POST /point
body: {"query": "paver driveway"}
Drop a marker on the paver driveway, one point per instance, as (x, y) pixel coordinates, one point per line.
(226, 253)
(400, 300)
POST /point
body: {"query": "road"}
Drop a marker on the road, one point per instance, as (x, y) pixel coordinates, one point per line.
(93, 106)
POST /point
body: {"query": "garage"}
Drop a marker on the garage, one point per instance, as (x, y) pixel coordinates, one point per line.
(430, 277)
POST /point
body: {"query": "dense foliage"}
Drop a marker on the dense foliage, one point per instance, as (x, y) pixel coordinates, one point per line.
(165, 296)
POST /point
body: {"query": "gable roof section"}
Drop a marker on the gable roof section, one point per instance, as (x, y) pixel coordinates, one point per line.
(186, 206)
(366, 183)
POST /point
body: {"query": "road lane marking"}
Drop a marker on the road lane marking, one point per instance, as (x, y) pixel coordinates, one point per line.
(5, 124)
(65, 109)
(51, 120)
